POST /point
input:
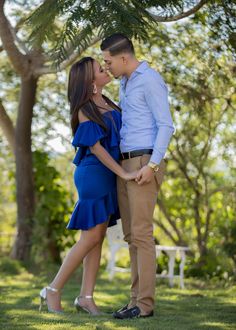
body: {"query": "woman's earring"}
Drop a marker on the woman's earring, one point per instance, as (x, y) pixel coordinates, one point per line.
(95, 89)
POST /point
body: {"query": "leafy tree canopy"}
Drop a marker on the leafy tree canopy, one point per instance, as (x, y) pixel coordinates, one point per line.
(73, 24)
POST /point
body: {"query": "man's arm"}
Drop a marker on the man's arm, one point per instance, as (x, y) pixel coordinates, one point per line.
(156, 95)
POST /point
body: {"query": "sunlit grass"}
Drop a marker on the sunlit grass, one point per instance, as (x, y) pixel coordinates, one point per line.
(199, 306)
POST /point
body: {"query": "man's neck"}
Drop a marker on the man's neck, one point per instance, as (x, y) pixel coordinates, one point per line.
(132, 67)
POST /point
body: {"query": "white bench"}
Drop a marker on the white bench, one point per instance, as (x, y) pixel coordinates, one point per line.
(115, 242)
(172, 252)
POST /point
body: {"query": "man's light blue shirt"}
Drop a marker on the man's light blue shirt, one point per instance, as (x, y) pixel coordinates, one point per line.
(146, 118)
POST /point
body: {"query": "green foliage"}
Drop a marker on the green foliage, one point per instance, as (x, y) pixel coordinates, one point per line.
(51, 119)
(84, 20)
(10, 267)
(227, 230)
(53, 208)
(162, 263)
(221, 18)
(229, 242)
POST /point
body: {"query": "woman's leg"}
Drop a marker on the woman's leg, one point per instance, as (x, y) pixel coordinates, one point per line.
(91, 265)
(90, 269)
(88, 240)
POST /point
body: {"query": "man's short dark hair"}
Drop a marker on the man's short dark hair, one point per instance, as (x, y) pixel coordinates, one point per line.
(117, 43)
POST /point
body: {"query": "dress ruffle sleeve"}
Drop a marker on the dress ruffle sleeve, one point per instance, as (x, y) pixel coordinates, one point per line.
(87, 134)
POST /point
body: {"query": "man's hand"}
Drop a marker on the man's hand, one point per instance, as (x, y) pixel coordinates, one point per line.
(144, 175)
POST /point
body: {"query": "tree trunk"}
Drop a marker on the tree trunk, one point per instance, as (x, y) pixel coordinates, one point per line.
(7, 127)
(54, 250)
(24, 171)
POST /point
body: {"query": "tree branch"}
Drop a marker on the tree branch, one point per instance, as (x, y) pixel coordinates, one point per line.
(168, 218)
(72, 57)
(18, 40)
(207, 225)
(212, 129)
(183, 169)
(17, 59)
(197, 220)
(225, 189)
(181, 15)
(7, 127)
(166, 231)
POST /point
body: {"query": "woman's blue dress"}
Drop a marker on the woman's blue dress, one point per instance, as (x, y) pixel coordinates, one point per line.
(95, 183)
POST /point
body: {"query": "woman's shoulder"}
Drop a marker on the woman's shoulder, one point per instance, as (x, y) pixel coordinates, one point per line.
(88, 133)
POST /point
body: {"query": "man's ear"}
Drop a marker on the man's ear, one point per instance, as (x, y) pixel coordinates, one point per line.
(124, 59)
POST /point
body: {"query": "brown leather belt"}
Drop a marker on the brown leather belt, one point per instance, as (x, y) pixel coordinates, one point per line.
(135, 153)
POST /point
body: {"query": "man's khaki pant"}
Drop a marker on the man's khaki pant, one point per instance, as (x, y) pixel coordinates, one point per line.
(136, 207)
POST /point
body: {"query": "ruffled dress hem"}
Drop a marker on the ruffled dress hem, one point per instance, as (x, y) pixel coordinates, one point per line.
(89, 213)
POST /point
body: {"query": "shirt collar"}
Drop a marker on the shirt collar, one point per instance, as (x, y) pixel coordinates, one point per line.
(140, 69)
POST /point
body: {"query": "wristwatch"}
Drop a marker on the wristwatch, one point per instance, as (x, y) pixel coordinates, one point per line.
(153, 166)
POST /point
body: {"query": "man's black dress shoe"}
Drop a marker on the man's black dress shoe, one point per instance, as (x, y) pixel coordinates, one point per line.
(131, 313)
(122, 309)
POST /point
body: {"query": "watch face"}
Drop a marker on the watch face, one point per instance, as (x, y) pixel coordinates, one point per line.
(153, 166)
(156, 168)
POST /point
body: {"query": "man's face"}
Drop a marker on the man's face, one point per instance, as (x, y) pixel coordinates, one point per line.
(114, 64)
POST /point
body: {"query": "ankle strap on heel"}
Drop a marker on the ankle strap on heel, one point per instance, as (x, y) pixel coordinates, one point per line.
(52, 289)
(86, 297)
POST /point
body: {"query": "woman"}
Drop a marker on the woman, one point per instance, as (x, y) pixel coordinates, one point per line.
(95, 122)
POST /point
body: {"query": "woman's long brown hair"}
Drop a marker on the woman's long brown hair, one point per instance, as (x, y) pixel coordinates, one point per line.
(80, 94)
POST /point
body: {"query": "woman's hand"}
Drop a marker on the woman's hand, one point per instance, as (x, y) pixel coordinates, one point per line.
(128, 176)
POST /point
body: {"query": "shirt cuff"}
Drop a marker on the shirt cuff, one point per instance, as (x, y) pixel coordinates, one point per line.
(156, 158)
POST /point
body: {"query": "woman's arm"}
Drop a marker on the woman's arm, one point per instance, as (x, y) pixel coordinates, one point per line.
(101, 153)
(109, 162)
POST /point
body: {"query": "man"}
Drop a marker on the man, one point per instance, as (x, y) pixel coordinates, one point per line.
(145, 134)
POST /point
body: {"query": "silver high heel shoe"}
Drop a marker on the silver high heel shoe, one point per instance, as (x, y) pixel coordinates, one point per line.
(82, 308)
(43, 300)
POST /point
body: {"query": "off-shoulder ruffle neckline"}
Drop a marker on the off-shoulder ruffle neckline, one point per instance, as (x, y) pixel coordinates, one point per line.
(87, 121)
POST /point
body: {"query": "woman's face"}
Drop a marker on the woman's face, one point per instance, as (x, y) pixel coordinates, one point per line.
(101, 76)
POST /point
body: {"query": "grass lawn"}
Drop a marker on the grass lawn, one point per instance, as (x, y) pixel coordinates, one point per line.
(199, 306)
